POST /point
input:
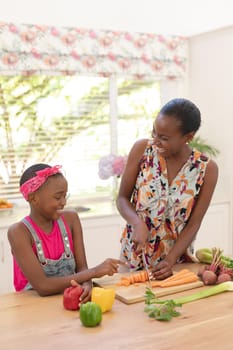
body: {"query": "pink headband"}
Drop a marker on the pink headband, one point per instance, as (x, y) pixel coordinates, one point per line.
(37, 181)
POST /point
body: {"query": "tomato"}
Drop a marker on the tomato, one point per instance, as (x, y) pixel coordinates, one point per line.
(71, 297)
(90, 314)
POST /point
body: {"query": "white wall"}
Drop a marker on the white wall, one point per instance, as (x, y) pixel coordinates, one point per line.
(210, 85)
(179, 17)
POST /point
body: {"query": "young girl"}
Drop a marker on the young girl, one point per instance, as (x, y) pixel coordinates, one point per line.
(165, 191)
(47, 246)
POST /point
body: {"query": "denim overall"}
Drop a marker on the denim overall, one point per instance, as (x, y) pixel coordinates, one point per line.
(64, 266)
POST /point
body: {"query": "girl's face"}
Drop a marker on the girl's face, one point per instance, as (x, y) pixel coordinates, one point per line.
(50, 199)
(168, 137)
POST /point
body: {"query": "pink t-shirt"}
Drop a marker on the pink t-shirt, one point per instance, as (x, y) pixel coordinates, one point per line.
(53, 248)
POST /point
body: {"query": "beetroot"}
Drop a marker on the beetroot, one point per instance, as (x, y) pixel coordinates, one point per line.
(201, 270)
(225, 274)
(209, 277)
(223, 277)
(71, 297)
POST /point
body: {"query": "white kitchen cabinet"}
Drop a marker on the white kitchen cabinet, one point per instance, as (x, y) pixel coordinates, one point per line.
(102, 238)
(6, 263)
(216, 229)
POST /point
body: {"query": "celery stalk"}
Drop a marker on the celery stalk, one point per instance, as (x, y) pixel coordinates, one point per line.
(165, 310)
(219, 288)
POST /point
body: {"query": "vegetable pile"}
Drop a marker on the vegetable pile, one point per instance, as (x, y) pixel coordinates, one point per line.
(165, 310)
(4, 204)
(218, 268)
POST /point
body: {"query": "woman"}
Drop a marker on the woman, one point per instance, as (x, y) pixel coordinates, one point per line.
(165, 191)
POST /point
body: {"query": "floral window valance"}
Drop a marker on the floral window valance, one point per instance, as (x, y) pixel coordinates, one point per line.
(33, 49)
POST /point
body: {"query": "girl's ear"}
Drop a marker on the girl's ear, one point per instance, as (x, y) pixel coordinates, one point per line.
(31, 197)
(189, 136)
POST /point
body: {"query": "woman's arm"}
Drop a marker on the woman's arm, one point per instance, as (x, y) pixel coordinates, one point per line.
(185, 238)
(128, 181)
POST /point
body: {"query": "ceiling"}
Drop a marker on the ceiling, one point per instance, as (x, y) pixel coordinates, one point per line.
(176, 17)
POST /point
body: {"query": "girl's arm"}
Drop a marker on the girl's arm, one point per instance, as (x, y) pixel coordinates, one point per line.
(74, 224)
(185, 238)
(21, 245)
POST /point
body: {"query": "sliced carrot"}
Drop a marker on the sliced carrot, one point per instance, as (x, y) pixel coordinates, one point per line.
(123, 282)
(138, 277)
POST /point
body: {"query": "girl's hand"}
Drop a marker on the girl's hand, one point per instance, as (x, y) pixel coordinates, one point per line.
(86, 294)
(162, 270)
(108, 267)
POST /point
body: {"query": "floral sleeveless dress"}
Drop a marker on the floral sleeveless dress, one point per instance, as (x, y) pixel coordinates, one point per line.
(164, 208)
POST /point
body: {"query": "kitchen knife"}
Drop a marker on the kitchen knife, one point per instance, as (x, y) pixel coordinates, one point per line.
(146, 268)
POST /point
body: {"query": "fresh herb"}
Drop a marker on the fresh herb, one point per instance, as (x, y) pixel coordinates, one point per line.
(165, 310)
(161, 310)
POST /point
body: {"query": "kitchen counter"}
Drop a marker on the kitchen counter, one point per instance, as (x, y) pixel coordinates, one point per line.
(28, 321)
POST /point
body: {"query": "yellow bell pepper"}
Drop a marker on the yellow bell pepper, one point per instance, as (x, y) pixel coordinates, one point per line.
(103, 297)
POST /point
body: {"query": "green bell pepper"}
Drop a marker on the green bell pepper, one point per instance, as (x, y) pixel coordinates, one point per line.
(90, 314)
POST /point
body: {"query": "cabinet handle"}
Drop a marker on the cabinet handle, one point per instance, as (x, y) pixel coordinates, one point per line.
(2, 252)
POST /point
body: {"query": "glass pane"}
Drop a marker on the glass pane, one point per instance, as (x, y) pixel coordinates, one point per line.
(66, 120)
(138, 104)
(53, 120)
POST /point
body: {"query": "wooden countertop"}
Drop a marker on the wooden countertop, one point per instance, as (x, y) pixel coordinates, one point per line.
(28, 322)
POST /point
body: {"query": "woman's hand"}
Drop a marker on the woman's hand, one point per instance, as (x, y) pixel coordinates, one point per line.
(108, 267)
(139, 236)
(162, 270)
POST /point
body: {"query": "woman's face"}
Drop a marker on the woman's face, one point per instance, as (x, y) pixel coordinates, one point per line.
(167, 136)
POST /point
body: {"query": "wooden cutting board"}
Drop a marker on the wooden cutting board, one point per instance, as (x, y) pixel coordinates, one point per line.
(136, 293)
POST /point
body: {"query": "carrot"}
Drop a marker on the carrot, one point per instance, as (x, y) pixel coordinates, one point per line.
(186, 279)
(156, 283)
(177, 275)
(181, 277)
(138, 277)
(123, 282)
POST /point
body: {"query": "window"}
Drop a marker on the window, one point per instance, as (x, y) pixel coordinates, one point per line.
(73, 121)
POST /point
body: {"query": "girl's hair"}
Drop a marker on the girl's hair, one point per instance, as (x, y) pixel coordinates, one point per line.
(185, 112)
(30, 172)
